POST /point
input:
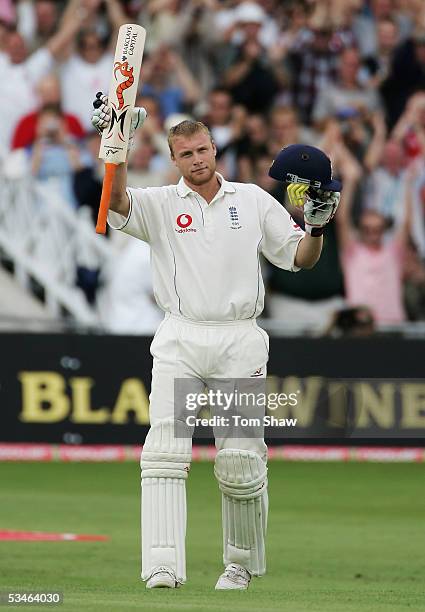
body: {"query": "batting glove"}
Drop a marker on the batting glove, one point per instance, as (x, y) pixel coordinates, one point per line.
(319, 206)
(101, 117)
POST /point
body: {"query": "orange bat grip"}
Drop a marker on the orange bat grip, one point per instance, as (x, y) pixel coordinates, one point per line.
(108, 179)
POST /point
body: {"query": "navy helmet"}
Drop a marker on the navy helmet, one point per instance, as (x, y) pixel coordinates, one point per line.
(304, 164)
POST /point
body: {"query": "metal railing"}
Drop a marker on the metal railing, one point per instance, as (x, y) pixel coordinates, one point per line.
(45, 239)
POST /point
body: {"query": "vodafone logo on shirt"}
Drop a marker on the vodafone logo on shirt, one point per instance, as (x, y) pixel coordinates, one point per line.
(184, 221)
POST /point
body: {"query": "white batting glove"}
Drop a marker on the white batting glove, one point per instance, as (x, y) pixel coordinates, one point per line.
(319, 208)
(101, 117)
(319, 205)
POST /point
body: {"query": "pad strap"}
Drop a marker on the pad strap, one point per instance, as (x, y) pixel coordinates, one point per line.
(164, 455)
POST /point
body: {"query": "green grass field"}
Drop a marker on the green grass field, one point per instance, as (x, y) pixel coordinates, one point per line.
(342, 537)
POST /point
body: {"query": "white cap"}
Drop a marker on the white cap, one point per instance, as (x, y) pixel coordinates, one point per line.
(249, 12)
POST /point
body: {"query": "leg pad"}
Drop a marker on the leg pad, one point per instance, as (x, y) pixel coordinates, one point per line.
(242, 478)
(165, 463)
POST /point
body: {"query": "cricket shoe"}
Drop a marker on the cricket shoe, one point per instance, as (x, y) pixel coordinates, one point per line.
(234, 577)
(162, 577)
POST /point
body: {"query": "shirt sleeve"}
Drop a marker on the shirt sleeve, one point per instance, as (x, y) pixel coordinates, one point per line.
(281, 235)
(143, 219)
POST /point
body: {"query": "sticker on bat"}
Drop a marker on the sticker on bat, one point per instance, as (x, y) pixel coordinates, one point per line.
(117, 119)
(126, 72)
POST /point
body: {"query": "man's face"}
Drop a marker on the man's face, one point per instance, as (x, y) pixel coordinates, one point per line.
(321, 40)
(382, 8)
(284, 124)
(387, 35)
(16, 48)
(152, 109)
(91, 5)
(46, 15)
(251, 30)
(49, 91)
(49, 126)
(349, 66)
(220, 107)
(91, 48)
(393, 157)
(257, 129)
(372, 228)
(194, 156)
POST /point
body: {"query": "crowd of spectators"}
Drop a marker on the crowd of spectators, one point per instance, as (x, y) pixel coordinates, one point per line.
(345, 75)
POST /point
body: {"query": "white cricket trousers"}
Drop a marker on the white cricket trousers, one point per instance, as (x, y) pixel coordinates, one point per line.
(199, 353)
(183, 348)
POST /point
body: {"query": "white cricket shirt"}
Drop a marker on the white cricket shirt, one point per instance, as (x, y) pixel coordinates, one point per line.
(80, 80)
(206, 257)
(18, 96)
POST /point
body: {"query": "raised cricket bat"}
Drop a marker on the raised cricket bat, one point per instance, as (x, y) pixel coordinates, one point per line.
(121, 99)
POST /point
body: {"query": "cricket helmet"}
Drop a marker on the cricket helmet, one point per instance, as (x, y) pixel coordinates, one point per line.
(299, 163)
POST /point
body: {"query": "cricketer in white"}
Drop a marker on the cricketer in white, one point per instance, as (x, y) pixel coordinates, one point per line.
(206, 235)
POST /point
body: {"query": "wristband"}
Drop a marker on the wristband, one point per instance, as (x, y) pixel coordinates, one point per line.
(314, 231)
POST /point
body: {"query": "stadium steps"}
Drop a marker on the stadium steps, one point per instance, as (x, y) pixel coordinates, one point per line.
(19, 309)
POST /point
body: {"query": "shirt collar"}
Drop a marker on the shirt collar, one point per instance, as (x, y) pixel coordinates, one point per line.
(225, 187)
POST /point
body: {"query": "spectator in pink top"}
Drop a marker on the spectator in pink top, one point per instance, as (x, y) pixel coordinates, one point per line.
(373, 265)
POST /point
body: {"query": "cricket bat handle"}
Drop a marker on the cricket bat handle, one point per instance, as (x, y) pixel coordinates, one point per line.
(105, 199)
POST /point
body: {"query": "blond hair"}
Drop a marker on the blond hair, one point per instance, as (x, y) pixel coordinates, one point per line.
(188, 127)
